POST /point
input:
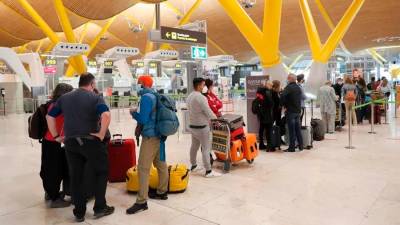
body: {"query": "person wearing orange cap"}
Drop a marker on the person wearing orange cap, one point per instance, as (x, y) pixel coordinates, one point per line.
(150, 151)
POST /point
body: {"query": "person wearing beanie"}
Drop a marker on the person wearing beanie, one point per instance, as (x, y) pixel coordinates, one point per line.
(150, 150)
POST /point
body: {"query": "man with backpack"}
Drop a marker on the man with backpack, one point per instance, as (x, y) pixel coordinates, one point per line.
(152, 149)
(82, 110)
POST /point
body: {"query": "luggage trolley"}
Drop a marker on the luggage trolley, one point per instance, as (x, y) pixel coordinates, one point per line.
(227, 143)
(221, 140)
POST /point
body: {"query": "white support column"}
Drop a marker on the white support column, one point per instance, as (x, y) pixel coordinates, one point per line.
(316, 78)
(277, 72)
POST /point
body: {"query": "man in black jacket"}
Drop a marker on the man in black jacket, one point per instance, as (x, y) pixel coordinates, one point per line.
(265, 116)
(291, 101)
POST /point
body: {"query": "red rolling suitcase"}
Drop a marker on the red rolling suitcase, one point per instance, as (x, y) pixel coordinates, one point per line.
(121, 157)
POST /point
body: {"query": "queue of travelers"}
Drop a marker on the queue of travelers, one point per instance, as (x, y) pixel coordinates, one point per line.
(79, 120)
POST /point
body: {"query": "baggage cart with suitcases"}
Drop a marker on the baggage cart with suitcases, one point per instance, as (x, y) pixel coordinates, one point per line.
(121, 157)
(225, 147)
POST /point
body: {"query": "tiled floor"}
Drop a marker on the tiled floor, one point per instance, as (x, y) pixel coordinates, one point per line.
(329, 185)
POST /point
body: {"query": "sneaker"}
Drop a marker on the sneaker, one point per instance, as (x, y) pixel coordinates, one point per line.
(137, 208)
(290, 150)
(108, 210)
(59, 203)
(195, 169)
(212, 174)
(46, 197)
(155, 195)
(79, 219)
(262, 146)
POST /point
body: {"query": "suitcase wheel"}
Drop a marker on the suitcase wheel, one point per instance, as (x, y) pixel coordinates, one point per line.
(250, 161)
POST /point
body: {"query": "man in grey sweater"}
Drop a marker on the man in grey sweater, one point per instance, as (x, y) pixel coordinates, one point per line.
(200, 115)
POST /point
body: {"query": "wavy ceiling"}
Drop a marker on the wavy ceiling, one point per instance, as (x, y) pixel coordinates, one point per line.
(377, 19)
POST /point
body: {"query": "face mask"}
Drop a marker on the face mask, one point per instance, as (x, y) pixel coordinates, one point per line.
(205, 90)
(139, 88)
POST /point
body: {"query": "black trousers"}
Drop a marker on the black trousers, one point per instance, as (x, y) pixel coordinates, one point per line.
(54, 169)
(88, 155)
(265, 129)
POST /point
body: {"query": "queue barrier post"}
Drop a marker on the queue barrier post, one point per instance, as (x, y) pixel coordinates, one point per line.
(372, 118)
(350, 136)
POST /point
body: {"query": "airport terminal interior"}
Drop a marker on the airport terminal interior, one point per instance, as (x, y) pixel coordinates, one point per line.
(293, 103)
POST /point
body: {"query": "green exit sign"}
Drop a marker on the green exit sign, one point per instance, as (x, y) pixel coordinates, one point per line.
(199, 52)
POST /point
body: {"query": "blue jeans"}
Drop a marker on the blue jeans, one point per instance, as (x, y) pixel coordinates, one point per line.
(293, 120)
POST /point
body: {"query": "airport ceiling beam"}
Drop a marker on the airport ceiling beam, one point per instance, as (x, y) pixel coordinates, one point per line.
(265, 42)
(322, 53)
(375, 55)
(329, 21)
(69, 33)
(42, 25)
(373, 51)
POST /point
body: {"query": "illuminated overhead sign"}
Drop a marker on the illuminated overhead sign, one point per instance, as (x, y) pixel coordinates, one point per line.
(140, 64)
(180, 35)
(199, 52)
(92, 63)
(153, 65)
(50, 62)
(108, 63)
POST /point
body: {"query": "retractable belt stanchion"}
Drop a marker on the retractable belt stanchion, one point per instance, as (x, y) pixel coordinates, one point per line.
(386, 105)
(350, 146)
(372, 118)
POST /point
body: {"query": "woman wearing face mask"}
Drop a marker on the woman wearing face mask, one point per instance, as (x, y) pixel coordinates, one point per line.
(213, 101)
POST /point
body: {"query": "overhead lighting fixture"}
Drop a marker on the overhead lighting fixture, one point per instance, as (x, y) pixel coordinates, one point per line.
(248, 3)
(387, 47)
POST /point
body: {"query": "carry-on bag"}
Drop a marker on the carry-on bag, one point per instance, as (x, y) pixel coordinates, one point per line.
(178, 178)
(319, 129)
(237, 134)
(121, 157)
(250, 147)
(235, 121)
(306, 134)
(132, 179)
(276, 137)
(236, 152)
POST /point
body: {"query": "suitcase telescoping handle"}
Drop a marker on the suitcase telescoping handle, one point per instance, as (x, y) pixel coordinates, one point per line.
(116, 140)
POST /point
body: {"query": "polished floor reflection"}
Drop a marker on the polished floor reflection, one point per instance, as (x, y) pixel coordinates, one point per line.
(329, 185)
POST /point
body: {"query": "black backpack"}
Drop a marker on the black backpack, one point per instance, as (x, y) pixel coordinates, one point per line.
(256, 106)
(37, 124)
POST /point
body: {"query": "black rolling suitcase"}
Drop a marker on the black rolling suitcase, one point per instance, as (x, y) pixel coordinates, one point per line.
(276, 137)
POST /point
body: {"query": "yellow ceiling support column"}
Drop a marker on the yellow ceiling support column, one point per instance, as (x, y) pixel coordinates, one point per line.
(42, 24)
(84, 32)
(265, 42)
(329, 21)
(323, 53)
(96, 40)
(39, 46)
(69, 33)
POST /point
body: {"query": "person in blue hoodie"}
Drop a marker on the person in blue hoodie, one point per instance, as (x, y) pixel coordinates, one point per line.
(152, 150)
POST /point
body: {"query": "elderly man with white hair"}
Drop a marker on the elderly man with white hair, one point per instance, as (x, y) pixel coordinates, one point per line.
(327, 101)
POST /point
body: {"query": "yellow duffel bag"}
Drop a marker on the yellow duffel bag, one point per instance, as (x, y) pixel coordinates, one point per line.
(178, 178)
(132, 179)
